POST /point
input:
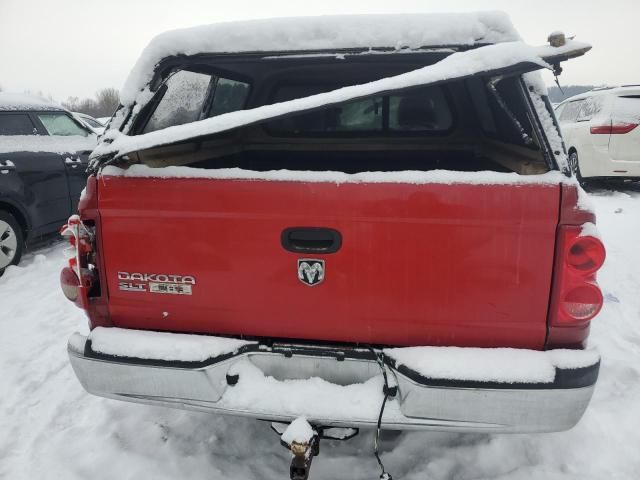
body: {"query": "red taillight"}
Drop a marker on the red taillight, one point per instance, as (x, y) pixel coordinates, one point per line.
(613, 128)
(576, 296)
(586, 254)
(70, 284)
(76, 279)
(581, 303)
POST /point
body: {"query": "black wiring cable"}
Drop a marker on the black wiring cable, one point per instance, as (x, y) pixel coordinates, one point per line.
(380, 360)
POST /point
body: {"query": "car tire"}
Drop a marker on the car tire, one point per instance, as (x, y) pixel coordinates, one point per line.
(574, 165)
(11, 241)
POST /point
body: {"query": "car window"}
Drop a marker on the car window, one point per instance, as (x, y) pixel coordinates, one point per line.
(92, 123)
(229, 96)
(589, 108)
(60, 124)
(570, 112)
(183, 100)
(420, 110)
(16, 124)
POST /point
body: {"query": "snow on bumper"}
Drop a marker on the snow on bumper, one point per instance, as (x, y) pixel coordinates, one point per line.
(503, 390)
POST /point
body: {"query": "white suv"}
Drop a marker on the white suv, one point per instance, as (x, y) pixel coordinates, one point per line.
(601, 132)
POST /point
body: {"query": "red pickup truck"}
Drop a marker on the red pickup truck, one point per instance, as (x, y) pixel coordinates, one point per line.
(312, 217)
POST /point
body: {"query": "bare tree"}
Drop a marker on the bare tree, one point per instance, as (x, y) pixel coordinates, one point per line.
(105, 103)
(71, 103)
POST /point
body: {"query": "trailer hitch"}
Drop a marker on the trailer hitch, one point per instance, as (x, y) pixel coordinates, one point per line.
(303, 441)
(303, 454)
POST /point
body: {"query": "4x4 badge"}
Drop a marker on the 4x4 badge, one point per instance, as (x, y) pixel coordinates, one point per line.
(310, 271)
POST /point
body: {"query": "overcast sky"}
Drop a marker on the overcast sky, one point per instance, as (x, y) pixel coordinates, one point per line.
(75, 47)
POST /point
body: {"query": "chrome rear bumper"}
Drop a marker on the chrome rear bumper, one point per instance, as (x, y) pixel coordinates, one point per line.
(334, 386)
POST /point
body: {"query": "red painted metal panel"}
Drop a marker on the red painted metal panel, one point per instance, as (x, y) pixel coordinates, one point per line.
(435, 264)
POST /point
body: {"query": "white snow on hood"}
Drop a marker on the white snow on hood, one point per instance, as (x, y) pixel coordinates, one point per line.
(320, 33)
(46, 143)
(457, 65)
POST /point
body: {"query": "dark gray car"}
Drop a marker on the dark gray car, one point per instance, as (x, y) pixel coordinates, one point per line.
(43, 157)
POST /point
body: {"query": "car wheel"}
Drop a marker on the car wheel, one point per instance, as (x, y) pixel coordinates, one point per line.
(574, 165)
(11, 241)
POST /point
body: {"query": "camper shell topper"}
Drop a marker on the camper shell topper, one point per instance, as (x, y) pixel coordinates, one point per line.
(292, 67)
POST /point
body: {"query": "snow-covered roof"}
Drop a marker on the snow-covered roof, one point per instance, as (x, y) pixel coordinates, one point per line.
(321, 33)
(22, 101)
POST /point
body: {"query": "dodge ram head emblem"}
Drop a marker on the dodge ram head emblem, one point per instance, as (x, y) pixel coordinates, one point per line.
(310, 271)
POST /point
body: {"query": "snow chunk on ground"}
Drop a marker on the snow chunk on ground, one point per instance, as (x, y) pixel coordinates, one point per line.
(504, 365)
(320, 33)
(298, 431)
(446, 177)
(161, 345)
(47, 143)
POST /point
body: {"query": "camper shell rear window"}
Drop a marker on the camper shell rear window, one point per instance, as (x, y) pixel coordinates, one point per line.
(420, 111)
(457, 125)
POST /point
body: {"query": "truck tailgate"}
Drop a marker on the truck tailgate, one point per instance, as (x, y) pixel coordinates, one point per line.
(420, 264)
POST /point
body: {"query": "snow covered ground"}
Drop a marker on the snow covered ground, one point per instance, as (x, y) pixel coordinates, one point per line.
(51, 429)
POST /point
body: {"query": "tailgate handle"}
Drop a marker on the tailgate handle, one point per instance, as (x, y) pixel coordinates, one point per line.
(311, 240)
